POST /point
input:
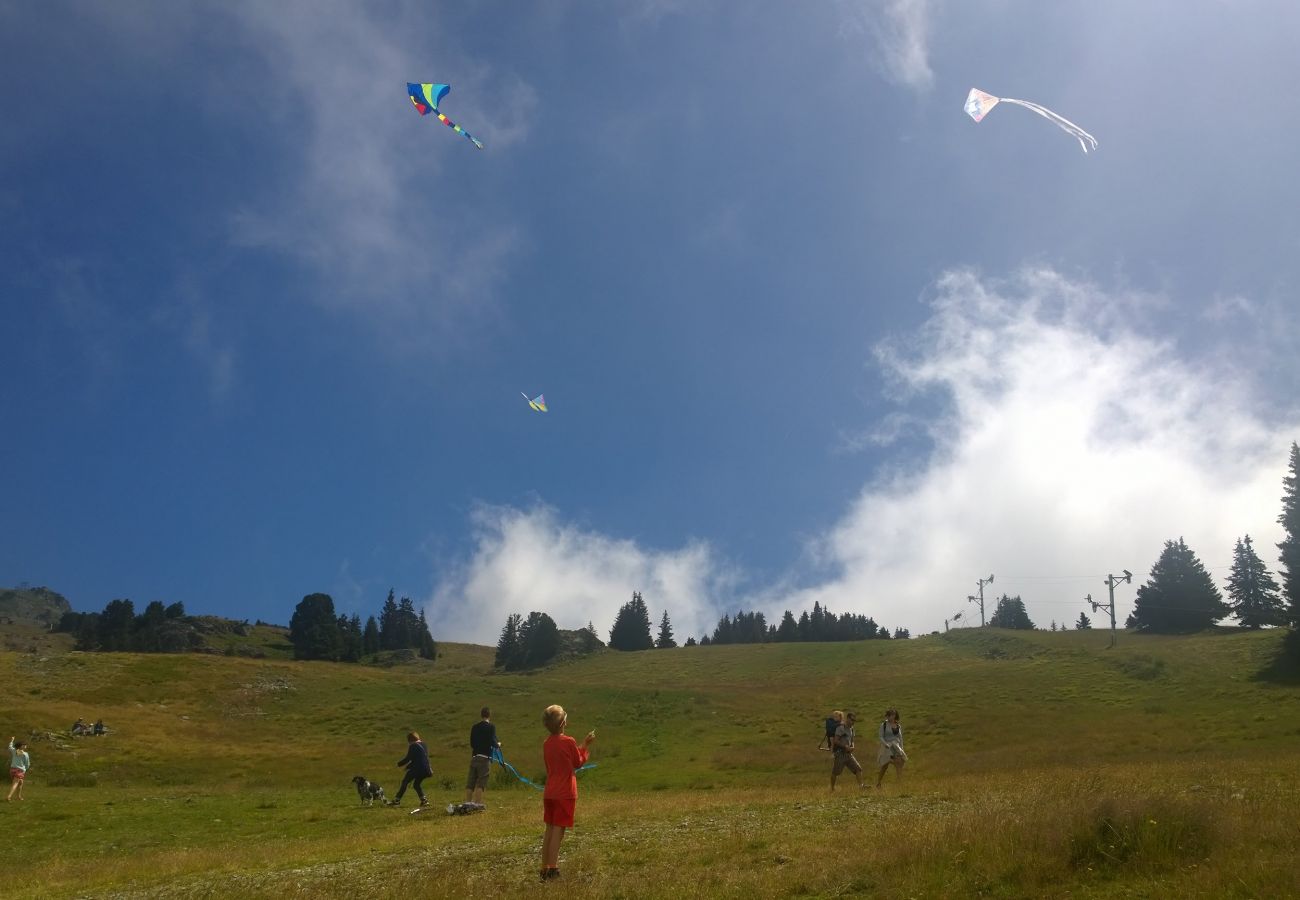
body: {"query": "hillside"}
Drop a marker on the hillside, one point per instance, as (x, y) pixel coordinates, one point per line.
(268, 746)
(39, 607)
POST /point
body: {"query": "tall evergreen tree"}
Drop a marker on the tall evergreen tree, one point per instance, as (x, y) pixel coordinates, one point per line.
(665, 640)
(389, 624)
(631, 629)
(1290, 546)
(314, 629)
(428, 647)
(1180, 596)
(1252, 591)
(539, 640)
(409, 625)
(508, 644)
(116, 624)
(788, 630)
(1010, 613)
(370, 637)
(1084, 623)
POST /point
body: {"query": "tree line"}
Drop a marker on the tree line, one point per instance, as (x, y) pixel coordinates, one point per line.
(159, 629)
(316, 632)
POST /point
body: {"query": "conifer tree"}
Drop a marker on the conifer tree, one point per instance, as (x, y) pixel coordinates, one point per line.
(428, 648)
(1290, 546)
(665, 640)
(370, 637)
(631, 629)
(1084, 623)
(539, 640)
(1010, 613)
(388, 624)
(1252, 591)
(1180, 596)
(788, 630)
(508, 643)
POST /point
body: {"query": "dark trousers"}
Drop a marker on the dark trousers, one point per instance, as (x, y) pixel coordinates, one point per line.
(412, 778)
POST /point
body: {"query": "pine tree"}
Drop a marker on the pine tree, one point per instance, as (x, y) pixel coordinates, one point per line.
(388, 624)
(1084, 623)
(508, 645)
(1010, 613)
(690, 642)
(370, 637)
(631, 629)
(1052, 627)
(1252, 591)
(1180, 595)
(428, 648)
(788, 630)
(539, 640)
(314, 629)
(665, 640)
(1290, 546)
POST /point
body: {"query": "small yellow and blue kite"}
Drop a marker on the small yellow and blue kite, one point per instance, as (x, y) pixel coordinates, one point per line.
(538, 403)
(425, 98)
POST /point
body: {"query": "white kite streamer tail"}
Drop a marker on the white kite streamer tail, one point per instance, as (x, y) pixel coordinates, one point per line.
(1063, 123)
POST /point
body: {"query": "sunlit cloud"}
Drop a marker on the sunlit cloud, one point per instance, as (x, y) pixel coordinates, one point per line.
(1066, 444)
(526, 560)
(1064, 439)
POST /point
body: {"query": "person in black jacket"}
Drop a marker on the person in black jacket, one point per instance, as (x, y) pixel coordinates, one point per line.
(416, 761)
(482, 741)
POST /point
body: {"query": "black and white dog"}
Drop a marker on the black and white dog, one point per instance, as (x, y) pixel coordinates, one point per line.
(368, 791)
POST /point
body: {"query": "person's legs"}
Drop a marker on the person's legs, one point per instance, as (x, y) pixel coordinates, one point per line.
(406, 780)
(13, 787)
(478, 795)
(881, 777)
(419, 790)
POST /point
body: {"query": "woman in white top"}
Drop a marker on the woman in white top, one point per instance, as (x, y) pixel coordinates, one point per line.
(891, 745)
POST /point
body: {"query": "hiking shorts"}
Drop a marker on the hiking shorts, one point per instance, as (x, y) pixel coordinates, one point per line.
(559, 812)
(18, 774)
(479, 767)
(846, 761)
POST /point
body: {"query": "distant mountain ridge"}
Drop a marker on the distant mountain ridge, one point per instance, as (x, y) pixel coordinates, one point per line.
(32, 606)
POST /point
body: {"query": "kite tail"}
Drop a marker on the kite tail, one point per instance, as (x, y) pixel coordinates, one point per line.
(1063, 123)
(456, 128)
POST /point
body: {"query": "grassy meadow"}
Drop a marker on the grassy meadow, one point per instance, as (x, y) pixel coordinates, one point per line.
(1041, 764)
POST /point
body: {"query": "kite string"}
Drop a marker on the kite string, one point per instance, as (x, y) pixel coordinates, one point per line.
(1063, 123)
(497, 755)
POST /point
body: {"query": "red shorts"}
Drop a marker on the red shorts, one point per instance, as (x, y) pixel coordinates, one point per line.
(18, 774)
(559, 812)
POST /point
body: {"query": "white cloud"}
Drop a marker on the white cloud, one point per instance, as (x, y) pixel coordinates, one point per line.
(527, 560)
(1065, 442)
(1068, 445)
(899, 33)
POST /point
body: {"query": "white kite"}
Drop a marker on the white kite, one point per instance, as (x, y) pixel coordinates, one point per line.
(979, 103)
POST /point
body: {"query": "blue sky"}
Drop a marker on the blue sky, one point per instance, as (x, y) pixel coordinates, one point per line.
(807, 332)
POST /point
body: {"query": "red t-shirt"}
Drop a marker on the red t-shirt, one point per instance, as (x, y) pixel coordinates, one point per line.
(563, 758)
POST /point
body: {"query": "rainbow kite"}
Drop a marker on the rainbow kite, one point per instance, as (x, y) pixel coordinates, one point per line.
(978, 105)
(538, 403)
(425, 98)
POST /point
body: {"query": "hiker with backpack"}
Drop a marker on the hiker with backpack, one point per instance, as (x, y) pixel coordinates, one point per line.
(833, 721)
(842, 748)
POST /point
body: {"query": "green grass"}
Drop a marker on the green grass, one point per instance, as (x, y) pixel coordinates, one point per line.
(1041, 763)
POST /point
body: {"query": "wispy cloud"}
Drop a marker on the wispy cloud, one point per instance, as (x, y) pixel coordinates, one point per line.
(527, 560)
(898, 32)
(357, 209)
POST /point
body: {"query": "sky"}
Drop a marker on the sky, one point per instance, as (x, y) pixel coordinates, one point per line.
(806, 331)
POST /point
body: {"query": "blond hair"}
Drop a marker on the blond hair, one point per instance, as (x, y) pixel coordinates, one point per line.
(554, 718)
(837, 715)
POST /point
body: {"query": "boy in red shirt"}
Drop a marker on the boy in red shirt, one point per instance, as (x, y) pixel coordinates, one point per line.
(563, 758)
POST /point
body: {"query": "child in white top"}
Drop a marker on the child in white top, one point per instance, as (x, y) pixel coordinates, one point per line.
(19, 762)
